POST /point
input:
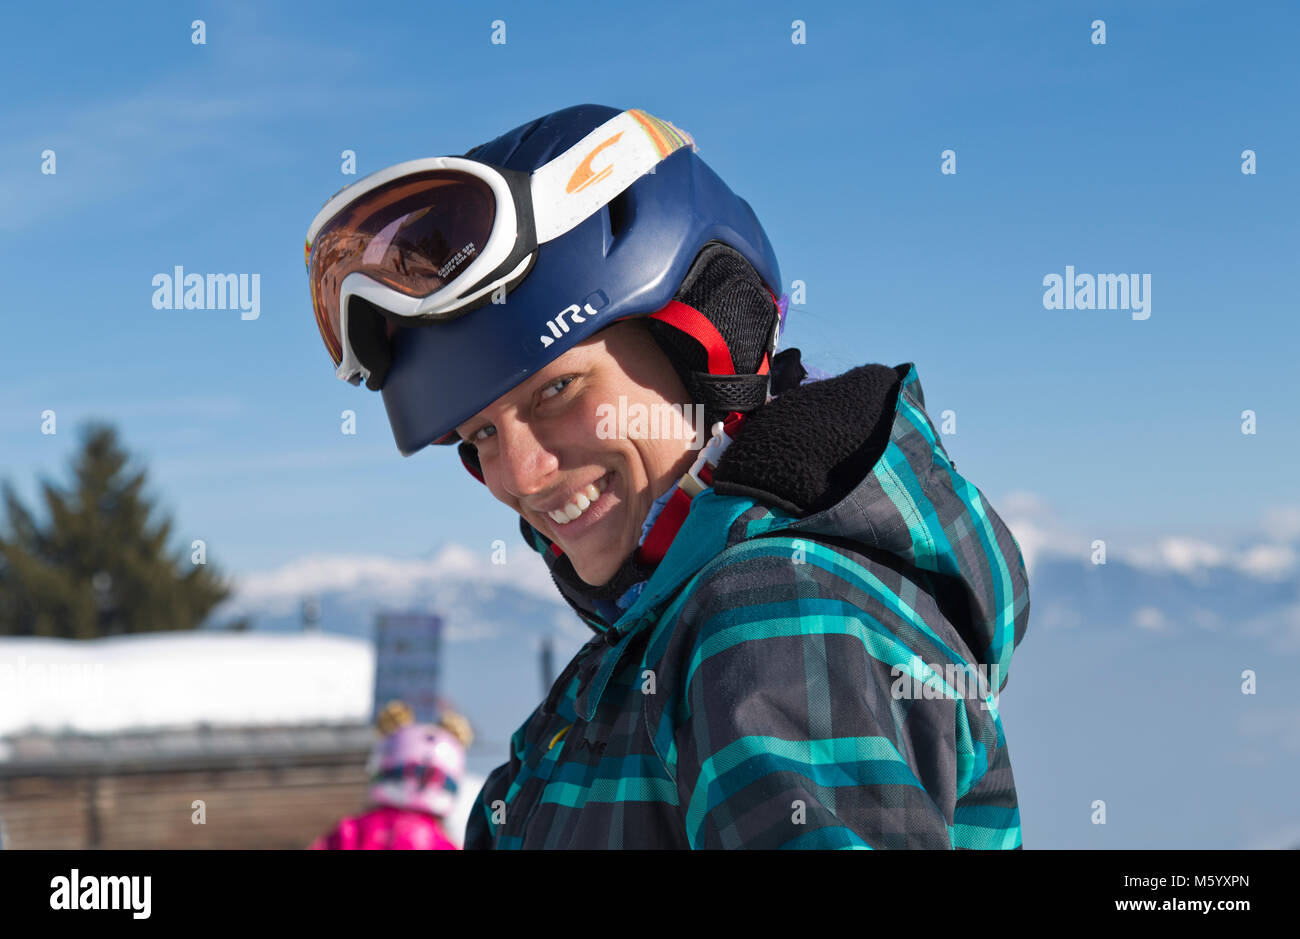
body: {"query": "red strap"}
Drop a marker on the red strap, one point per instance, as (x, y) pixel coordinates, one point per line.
(695, 324)
(763, 368)
(732, 423)
(661, 534)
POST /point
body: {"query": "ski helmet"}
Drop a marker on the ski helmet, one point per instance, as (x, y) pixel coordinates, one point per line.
(417, 767)
(677, 246)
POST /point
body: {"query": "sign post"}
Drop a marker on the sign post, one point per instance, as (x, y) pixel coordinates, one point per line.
(408, 649)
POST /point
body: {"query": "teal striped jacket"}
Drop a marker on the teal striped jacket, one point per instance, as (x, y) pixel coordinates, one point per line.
(793, 677)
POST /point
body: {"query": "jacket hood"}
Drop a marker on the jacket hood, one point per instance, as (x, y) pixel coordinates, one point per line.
(852, 459)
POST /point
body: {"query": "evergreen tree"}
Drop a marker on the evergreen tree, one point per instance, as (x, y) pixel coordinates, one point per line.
(98, 566)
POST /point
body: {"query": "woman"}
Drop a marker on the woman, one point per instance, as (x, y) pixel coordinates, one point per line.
(799, 630)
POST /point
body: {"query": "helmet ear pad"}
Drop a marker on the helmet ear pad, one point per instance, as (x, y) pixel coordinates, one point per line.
(724, 287)
(368, 333)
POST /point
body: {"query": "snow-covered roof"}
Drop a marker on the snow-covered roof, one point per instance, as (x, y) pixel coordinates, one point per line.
(182, 679)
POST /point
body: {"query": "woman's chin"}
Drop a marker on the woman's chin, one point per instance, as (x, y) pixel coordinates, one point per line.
(597, 577)
(599, 570)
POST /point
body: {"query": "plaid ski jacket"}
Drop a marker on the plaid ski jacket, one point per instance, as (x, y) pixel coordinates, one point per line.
(814, 663)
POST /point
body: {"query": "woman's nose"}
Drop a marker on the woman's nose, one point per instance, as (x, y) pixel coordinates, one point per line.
(526, 463)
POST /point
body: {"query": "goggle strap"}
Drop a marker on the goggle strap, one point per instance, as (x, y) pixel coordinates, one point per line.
(589, 175)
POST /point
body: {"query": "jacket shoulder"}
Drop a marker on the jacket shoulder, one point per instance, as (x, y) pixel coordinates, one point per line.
(788, 606)
(775, 687)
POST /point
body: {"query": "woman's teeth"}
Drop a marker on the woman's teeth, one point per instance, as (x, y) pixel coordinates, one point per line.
(580, 502)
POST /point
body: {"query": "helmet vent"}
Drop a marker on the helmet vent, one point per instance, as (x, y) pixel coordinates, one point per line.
(621, 211)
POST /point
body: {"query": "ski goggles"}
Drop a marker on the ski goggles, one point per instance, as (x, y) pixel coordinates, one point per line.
(432, 239)
(418, 773)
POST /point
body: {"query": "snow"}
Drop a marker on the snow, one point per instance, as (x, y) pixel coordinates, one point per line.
(181, 679)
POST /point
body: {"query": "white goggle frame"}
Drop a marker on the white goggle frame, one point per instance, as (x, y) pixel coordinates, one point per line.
(565, 192)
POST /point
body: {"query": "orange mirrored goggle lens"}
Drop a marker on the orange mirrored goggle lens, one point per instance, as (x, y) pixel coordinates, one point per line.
(415, 234)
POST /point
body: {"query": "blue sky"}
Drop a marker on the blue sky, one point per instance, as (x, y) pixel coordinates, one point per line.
(1123, 157)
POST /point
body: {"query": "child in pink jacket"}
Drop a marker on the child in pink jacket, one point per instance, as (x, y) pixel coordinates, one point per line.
(415, 770)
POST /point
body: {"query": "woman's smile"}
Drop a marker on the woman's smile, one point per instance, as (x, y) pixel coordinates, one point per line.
(583, 511)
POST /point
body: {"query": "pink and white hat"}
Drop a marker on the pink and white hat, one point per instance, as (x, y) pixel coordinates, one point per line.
(417, 767)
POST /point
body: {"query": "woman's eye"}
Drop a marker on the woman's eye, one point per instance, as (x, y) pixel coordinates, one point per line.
(563, 382)
(558, 381)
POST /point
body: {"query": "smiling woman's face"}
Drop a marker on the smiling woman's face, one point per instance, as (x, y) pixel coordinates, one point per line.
(541, 446)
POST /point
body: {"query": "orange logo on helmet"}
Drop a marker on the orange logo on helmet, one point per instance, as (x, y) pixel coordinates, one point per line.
(583, 176)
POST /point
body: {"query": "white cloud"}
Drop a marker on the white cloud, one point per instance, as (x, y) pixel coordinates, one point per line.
(1151, 619)
(1035, 528)
(1040, 533)
(1175, 553)
(1267, 561)
(282, 589)
(1194, 557)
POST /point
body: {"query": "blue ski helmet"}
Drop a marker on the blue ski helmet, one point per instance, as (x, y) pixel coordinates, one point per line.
(631, 258)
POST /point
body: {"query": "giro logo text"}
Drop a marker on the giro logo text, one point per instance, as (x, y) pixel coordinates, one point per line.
(573, 313)
(102, 893)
